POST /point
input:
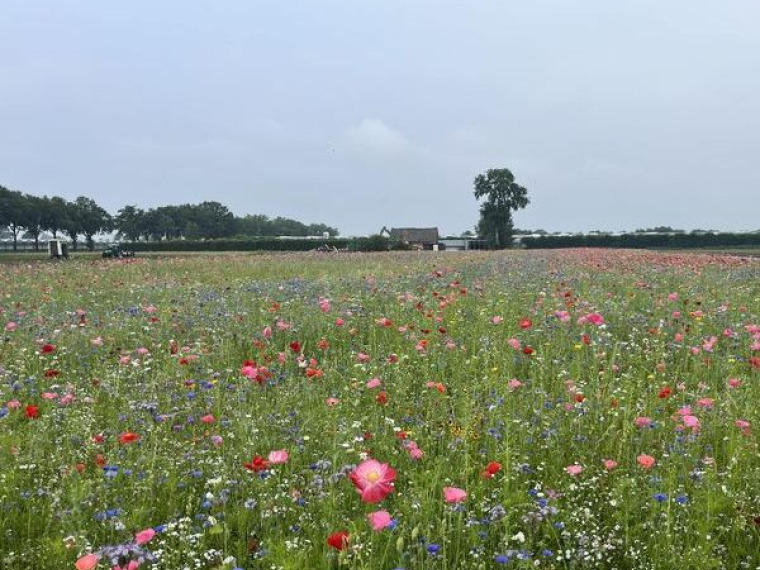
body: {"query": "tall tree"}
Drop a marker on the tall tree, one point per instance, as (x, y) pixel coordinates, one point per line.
(92, 219)
(71, 223)
(129, 222)
(34, 217)
(55, 210)
(502, 195)
(12, 212)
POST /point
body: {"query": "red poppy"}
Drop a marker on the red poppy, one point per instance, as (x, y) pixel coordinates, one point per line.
(258, 463)
(338, 540)
(525, 323)
(664, 393)
(32, 412)
(528, 350)
(128, 437)
(755, 362)
(586, 339)
(491, 469)
(382, 398)
(579, 397)
(295, 346)
(48, 348)
(100, 460)
(323, 344)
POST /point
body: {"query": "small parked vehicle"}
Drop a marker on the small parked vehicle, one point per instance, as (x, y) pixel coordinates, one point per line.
(117, 251)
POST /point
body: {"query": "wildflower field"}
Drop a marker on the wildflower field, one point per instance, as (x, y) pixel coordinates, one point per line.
(564, 409)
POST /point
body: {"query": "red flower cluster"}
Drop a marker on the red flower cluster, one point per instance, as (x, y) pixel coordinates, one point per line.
(338, 540)
(491, 469)
(128, 437)
(258, 463)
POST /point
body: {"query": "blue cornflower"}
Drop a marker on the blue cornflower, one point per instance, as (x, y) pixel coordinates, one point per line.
(660, 497)
(682, 499)
(501, 559)
(433, 548)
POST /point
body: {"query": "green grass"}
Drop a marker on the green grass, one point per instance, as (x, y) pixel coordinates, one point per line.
(447, 336)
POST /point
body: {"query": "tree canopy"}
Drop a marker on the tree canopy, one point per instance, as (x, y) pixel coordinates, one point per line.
(502, 196)
(24, 216)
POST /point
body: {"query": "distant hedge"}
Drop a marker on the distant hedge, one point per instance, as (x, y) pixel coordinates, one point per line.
(644, 241)
(372, 243)
(268, 244)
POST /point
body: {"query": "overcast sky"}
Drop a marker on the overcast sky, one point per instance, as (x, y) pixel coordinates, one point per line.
(362, 113)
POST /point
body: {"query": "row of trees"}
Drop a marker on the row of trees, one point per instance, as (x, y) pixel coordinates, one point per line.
(27, 216)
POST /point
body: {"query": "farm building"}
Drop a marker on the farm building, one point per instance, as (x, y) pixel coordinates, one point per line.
(416, 238)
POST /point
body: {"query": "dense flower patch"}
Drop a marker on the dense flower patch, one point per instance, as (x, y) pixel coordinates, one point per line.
(564, 409)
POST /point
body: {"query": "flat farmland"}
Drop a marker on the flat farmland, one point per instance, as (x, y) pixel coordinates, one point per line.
(548, 409)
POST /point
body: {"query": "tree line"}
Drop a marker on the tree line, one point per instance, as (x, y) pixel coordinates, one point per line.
(25, 216)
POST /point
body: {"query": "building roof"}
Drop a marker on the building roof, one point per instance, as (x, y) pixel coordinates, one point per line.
(415, 235)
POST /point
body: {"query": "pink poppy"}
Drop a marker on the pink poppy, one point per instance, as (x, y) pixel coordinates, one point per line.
(497, 319)
(514, 384)
(646, 461)
(373, 480)
(379, 520)
(332, 402)
(87, 562)
(514, 343)
(454, 495)
(642, 421)
(339, 322)
(278, 456)
(734, 382)
(595, 319)
(208, 419)
(11, 326)
(574, 469)
(743, 425)
(374, 383)
(267, 332)
(609, 464)
(362, 357)
(691, 422)
(145, 536)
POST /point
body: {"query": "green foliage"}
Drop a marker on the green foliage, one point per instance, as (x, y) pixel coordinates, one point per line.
(264, 244)
(638, 240)
(502, 195)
